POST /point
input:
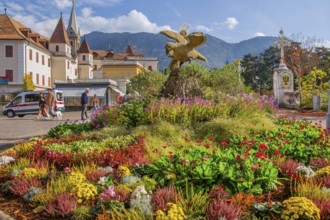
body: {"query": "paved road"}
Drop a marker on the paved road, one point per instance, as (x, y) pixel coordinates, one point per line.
(17, 129)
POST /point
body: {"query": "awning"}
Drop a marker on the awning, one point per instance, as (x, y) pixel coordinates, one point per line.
(76, 92)
(117, 90)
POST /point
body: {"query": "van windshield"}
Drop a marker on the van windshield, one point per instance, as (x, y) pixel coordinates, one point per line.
(17, 100)
(59, 96)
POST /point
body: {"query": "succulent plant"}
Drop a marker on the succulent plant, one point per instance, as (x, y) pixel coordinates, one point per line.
(33, 191)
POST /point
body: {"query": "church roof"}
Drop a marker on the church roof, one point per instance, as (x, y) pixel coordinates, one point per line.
(59, 35)
(84, 48)
(129, 50)
(110, 55)
(14, 30)
(73, 22)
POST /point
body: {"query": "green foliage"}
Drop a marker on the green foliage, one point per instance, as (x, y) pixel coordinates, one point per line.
(314, 84)
(261, 66)
(83, 213)
(148, 83)
(66, 129)
(118, 142)
(226, 128)
(193, 203)
(204, 168)
(28, 83)
(226, 80)
(134, 112)
(196, 71)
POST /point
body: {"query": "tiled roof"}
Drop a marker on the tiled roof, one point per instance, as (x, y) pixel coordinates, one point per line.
(13, 30)
(110, 55)
(84, 48)
(59, 35)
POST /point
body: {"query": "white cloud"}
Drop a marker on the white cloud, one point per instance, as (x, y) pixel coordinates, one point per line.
(62, 4)
(45, 27)
(327, 43)
(14, 6)
(86, 12)
(259, 34)
(203, 28)
(134, 22)
(231, 23)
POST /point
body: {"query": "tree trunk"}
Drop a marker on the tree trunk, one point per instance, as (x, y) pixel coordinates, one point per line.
(177, 87)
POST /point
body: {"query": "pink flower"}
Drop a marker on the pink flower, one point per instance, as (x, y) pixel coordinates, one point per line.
(263, 147)
(67, 170)
(276, 152)
(255, 167)
(185, 161)
(238, 157)
(224, 143)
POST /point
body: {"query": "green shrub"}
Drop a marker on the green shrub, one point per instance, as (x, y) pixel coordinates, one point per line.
(68, 129)
(226, 128)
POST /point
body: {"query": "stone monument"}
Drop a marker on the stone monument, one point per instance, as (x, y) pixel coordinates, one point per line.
(283, 80)
(181, 51)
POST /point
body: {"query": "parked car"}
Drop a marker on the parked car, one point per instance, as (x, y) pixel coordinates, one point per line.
(27, 103)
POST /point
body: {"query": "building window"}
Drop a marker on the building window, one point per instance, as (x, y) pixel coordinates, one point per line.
(10, 75)
(48, 81)
(9, 51)
(37, 78)
(43, 60)
(30, 54)
(31, 75)
(37, 57)
(95, 67)
(150, 68)
(68, 64)
(57, 48)
(48, 62)
(84, 57)
(43, 80)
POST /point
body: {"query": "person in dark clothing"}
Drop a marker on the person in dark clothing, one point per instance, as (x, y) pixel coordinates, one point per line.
(84, 104)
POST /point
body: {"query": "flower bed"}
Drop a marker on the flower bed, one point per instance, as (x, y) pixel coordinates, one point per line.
(279, 173)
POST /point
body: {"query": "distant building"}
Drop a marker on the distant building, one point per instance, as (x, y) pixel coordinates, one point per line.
(63, 59)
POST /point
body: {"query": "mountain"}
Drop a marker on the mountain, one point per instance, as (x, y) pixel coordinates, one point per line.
(217, 52)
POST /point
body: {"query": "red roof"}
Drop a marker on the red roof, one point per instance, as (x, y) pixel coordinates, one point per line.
(59, 35)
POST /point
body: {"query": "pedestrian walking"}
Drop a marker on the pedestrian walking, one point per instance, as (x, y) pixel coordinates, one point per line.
(42, 106)
(84, 104)
(95, 102)
(50, 103)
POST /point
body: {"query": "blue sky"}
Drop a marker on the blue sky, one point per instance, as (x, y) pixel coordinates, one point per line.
(230, 20)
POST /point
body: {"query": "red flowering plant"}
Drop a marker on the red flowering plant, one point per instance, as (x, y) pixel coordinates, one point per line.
(247, 172)
(299, 140)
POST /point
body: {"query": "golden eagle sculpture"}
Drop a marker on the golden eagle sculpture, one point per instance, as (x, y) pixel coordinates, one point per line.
(183, 49)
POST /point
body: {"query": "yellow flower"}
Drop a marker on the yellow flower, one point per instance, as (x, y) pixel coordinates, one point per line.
(123, 170)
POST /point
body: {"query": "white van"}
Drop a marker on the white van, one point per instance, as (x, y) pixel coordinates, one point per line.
(27, 103)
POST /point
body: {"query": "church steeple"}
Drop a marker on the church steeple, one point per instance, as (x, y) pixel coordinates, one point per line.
(73, 31)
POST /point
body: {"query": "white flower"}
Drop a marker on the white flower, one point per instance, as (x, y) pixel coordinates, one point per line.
(6, 160)
(306, 171)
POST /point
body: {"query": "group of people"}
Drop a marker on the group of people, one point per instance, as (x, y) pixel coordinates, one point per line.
(84, 104)
(46, 105)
